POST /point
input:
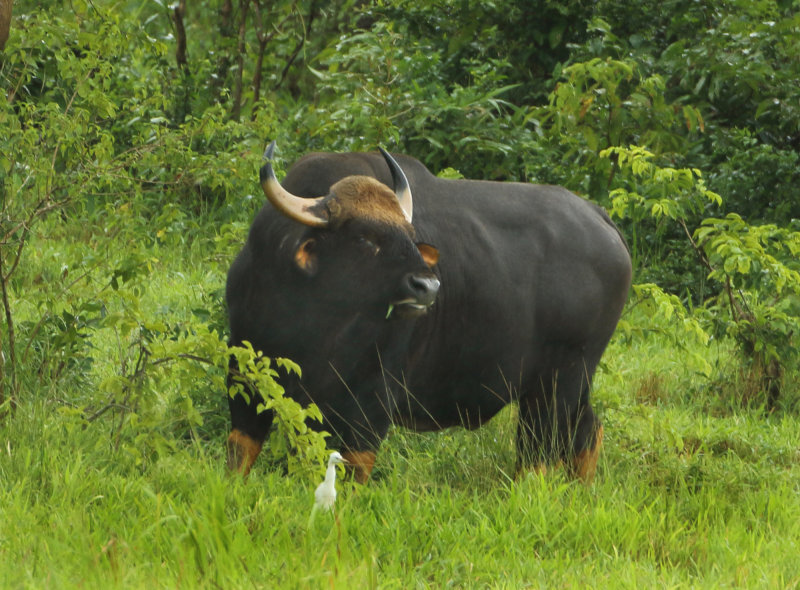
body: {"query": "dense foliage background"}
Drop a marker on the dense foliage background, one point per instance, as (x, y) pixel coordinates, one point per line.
(131, 133)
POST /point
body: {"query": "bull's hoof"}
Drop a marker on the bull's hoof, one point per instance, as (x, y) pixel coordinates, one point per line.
(359, 464)
(584, 464)
(242, 451)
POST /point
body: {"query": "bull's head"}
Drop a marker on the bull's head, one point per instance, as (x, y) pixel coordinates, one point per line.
(323, 211)
(371, 213)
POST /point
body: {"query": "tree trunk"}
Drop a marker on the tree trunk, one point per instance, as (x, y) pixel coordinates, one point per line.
(218, 82)
(236, 98)
(180, 34)
(5, 21)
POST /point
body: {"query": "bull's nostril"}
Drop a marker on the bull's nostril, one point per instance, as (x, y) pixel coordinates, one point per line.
(423, 288)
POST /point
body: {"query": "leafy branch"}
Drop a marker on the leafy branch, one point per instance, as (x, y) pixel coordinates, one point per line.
(755, 266)
(304, 447)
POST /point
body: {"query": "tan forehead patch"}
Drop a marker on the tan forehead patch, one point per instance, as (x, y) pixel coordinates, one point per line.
(363, 197)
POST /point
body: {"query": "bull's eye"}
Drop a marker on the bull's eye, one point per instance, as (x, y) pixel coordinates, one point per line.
(369, 245)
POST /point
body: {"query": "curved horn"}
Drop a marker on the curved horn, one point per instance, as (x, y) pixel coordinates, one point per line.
(401, 187)
(293, 207)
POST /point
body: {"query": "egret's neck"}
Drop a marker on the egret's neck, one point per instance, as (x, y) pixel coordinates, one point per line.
(330, 474)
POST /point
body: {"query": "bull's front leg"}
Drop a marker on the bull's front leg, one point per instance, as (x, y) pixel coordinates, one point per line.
(359, 464)
(249, 428)
(243, 450)
(361, 437)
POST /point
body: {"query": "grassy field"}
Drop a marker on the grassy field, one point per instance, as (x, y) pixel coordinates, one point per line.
(694, 488)
(129, 155)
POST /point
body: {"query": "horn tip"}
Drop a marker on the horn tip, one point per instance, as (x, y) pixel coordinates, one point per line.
(266, 171)
(268, 153)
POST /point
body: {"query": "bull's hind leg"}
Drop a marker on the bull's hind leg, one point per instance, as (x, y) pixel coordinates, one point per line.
(584, 464)
(535, 450)
(557, 424)
(583, 445)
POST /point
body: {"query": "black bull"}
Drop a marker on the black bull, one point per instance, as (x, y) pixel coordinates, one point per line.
(518, 304)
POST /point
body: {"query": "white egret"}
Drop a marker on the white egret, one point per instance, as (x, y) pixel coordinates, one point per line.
(325, 494)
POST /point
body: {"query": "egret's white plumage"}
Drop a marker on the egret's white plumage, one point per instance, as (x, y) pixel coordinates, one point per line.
(325, 494)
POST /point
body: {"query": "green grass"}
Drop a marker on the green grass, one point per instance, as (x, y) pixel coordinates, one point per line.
(694, 488)
(441, 512)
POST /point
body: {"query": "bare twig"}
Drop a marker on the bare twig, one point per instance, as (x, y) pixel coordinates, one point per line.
(12, 356)
(736, 309)
(12, 92)
(185, 356)
(109, 406)
(263, 40)
(37, 211)
(313, 11)
(134, 381)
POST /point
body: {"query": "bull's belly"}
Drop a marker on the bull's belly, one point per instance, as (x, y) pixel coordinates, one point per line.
(448, 409)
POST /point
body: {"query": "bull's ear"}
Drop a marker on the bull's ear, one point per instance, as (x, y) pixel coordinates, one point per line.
(429, 254)
(305, 257)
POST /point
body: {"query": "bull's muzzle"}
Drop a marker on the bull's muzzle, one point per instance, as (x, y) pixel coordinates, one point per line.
(422, 290)
(424, 287)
